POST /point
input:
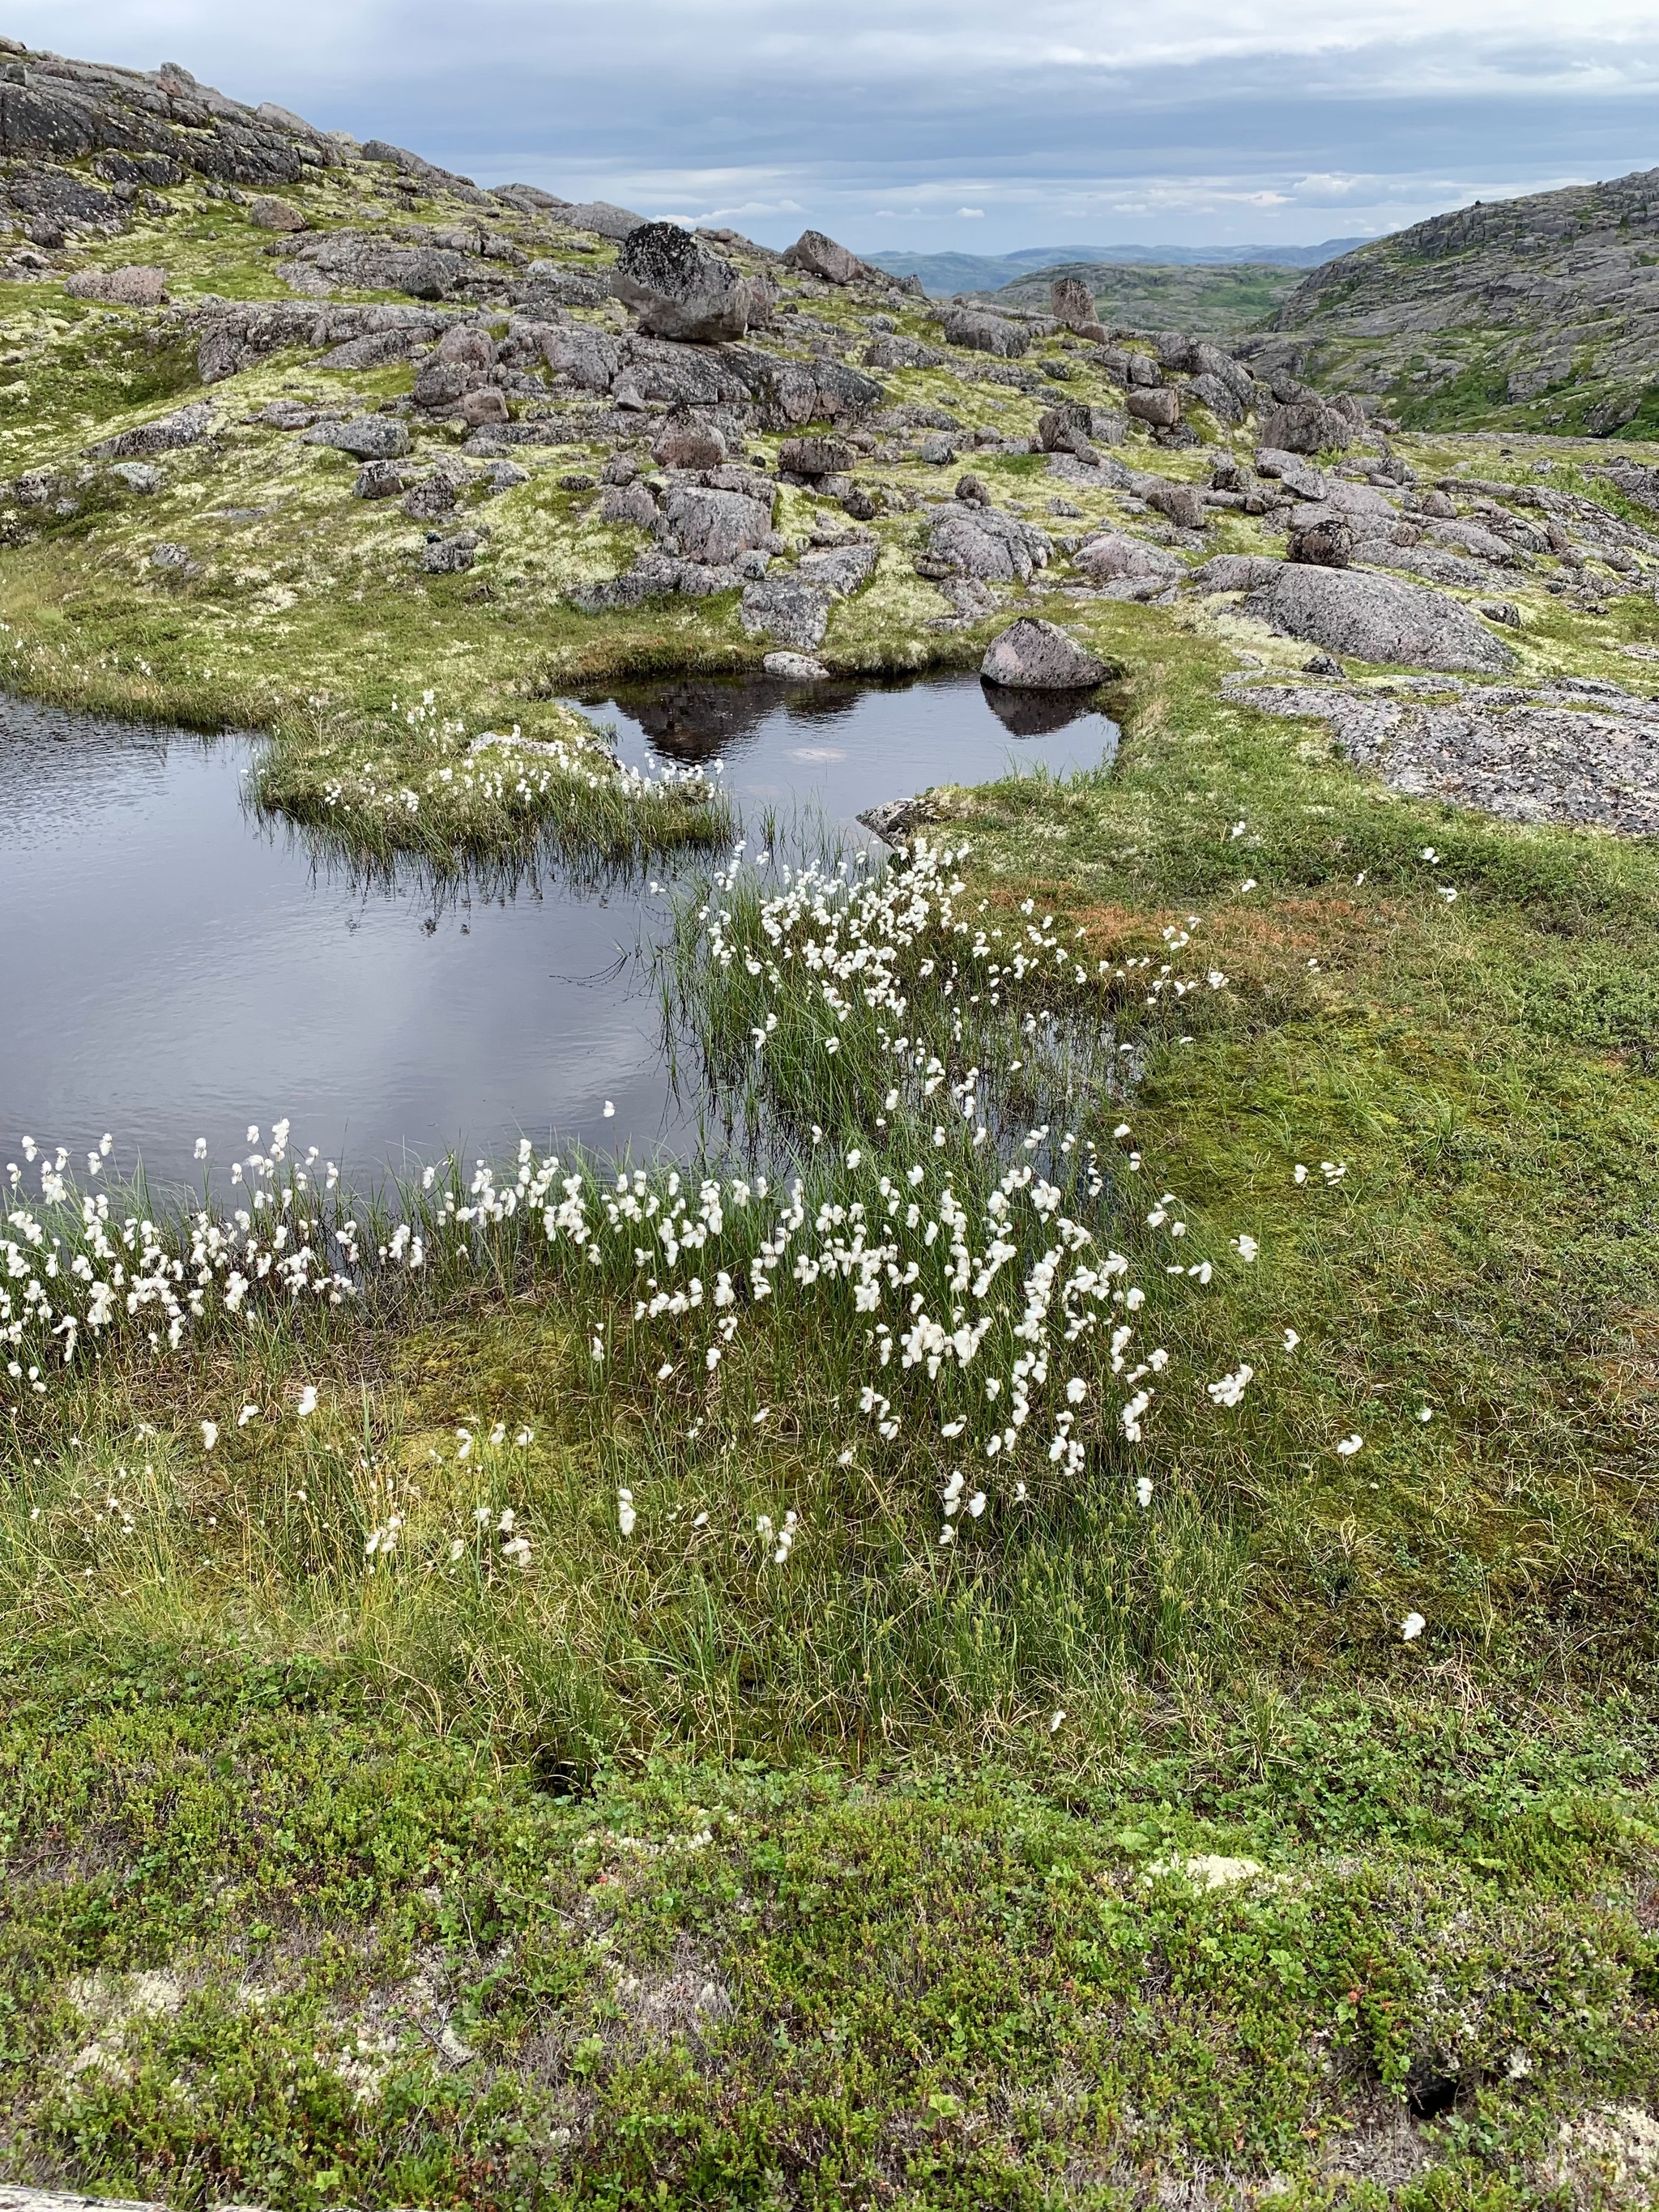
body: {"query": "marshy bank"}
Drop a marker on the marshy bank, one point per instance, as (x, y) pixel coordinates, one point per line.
(184, 962)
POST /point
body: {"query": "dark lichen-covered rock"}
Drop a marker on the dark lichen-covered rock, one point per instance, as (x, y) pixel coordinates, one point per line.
(679, 288)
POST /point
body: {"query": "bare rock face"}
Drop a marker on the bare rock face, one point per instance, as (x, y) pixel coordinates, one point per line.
(681, 289)
(1073, 303)
(788, 606)
(821, 257)
(1374, 618)
(187, 428)
(120, 288)
(600, 217)
(269, 214)
(590, 359)
(1237, 572)
(1032, 656)
(369, 438)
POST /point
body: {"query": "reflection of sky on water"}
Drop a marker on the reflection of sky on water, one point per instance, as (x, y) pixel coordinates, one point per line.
(173, 968)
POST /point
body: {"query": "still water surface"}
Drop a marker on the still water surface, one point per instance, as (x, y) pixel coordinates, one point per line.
(174, 967)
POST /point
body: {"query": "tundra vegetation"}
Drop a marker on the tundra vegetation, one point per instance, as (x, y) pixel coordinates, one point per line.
(1073, 1620)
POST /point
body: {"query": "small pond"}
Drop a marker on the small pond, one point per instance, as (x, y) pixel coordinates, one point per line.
(177, 966)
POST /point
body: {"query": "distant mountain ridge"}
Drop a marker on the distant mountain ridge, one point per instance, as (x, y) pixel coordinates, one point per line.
(1541, 312)
(941, 274)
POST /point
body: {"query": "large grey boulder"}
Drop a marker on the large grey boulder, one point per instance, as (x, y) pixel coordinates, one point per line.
(1033, 655)
(1073, 303)
(820, 256)
(680, 288)
(982, 332)
(1305, 426)
(600, 217)
(1374, 618)
(1115, 556)
(369, 438)
(1158, 405)
(715, 526)
(1290, 470)
(187, 428)
(984, 543)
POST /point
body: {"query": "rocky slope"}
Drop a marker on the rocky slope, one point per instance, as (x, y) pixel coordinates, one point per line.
(292, 419)
(1538, 313)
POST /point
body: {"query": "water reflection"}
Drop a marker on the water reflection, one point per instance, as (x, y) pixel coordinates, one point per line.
(176, 964)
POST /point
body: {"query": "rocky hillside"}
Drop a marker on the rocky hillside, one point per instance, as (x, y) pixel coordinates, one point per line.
(1215, 299)
(1538, 313)
(290, 419)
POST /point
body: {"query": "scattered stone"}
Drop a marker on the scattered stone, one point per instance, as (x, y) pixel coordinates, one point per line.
(1377, 618)
(680, 289)
(1305, 426)
(841, 569)
(937, 450)
(972, 491)
(795, 668)
(366, 438)
(1039, 656)
(449, 556)
(1501, 611)
(501, 476)
(1073, 304)
(1113, 555)
(134, 287)
(982, 542)
(187, 428)
(287, 415)
(983, 332)
(576, 480)
(815, 457)
(380, 480)
(1289, 469)
(590, 359)
(1179, 503)
(687, 443)
(1323, 663)
(602, 217)
(484, 406)
(269, 214)
(137, 476)
(715, 526)
(165, 555)
(1526, 757)
(1158, 404)
(629, 503)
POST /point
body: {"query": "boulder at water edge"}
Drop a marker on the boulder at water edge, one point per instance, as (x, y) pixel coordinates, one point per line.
(1031, 655)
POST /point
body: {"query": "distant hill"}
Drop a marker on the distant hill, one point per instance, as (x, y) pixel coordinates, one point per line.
(1535, 314)
(1217, 299)
(941, 274)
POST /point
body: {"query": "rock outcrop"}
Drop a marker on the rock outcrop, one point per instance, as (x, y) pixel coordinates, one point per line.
(1374, 618)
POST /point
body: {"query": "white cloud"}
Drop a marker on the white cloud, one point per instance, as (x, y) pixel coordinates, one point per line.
(978, 212)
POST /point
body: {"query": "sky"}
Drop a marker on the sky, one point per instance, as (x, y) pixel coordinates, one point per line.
(971, 126)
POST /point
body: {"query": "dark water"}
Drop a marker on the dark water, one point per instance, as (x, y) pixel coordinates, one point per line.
(171, 967)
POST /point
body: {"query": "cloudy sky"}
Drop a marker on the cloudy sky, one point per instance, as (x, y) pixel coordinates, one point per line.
(976, 124)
